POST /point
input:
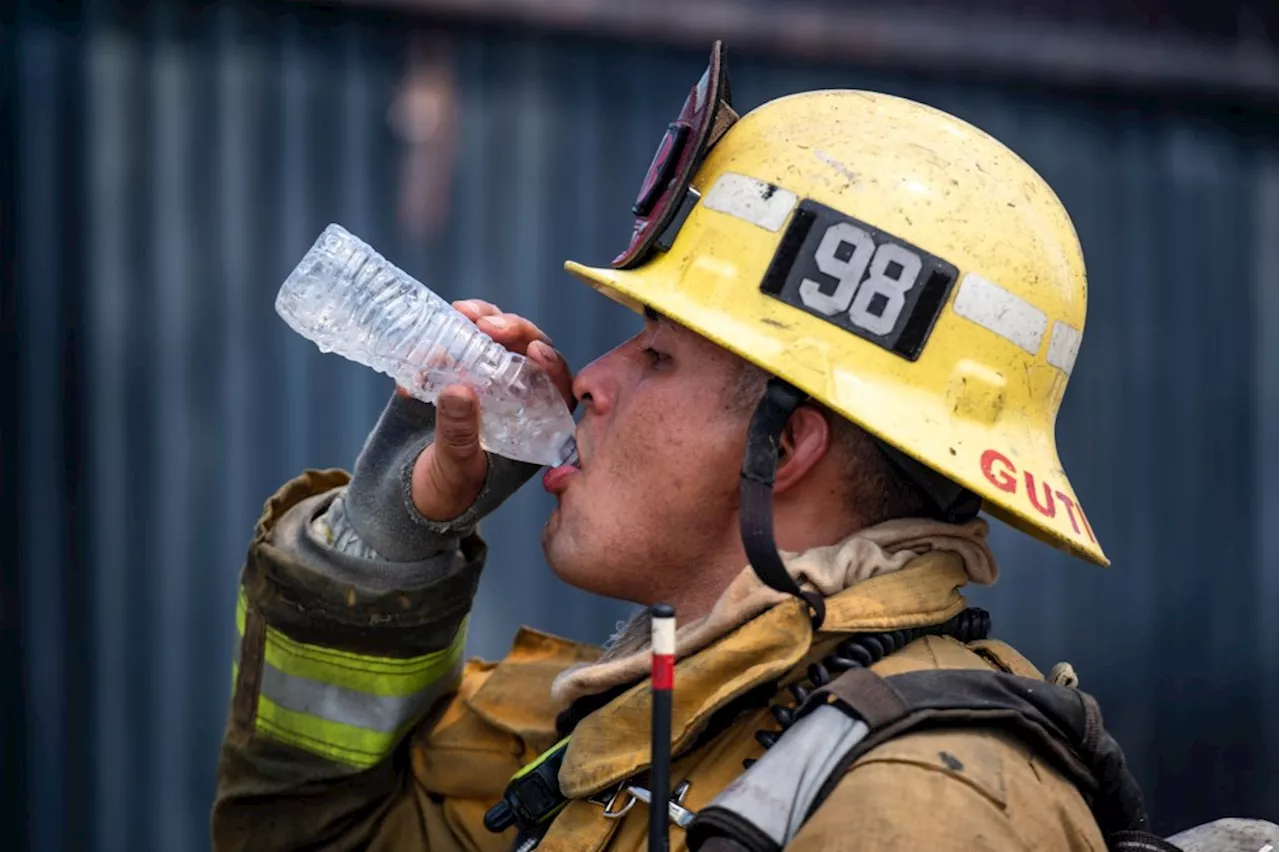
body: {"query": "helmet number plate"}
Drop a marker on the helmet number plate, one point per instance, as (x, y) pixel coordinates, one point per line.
(860, 278)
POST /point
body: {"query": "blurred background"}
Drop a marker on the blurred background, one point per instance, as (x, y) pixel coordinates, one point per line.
(164, 165)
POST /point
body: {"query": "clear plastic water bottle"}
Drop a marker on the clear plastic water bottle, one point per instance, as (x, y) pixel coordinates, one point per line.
(348, 299)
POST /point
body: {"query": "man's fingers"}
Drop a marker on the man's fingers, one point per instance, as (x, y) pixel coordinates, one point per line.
(512, 326)
(512, 331)
(556, 366)
(474, 309)
(518, 335)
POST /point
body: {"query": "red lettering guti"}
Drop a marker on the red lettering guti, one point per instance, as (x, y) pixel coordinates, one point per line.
(1004, 479)
(1071, 510)
(1050, 508)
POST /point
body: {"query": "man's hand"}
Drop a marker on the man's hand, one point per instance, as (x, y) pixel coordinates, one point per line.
(451, 471)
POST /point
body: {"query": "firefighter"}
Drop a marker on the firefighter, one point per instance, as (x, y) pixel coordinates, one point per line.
(875, 304)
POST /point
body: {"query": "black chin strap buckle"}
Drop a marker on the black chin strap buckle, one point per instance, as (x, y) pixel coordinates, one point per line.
(759, 467)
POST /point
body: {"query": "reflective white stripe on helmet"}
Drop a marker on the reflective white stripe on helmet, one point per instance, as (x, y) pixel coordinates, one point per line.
(997, 310)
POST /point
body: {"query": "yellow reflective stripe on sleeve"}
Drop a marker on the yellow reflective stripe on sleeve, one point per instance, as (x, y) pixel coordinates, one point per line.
(350, 708)
(334, 740)
(360, 672)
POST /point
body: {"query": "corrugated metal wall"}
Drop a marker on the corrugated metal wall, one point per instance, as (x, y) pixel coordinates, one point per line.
(175, 164)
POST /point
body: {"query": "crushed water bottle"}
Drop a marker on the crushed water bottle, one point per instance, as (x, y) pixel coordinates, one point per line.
(348, 299)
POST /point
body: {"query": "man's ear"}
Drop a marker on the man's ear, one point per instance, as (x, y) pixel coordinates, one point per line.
(805, 440)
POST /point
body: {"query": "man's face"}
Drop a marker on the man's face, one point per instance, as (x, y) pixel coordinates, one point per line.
(661, 442)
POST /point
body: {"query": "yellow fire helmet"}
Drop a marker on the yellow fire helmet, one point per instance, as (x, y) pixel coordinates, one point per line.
(889, 261)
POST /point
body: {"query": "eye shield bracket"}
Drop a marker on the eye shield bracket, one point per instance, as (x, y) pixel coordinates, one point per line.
(664, 198)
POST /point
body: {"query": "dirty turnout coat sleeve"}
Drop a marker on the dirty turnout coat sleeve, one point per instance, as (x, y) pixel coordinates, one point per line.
(344, 658)
(329, 682)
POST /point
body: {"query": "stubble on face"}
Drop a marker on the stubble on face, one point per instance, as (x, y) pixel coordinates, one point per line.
(656, 501)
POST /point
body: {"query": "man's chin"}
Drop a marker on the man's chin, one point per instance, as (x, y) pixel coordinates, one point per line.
(552, 546)
(569, 565)
(549, 532)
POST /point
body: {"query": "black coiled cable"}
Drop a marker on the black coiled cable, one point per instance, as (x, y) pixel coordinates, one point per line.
(865, 649)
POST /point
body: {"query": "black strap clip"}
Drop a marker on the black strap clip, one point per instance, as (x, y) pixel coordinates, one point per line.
(532, 798)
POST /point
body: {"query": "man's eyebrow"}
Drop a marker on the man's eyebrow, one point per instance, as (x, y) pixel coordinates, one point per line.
(662, 321)
(653, 316)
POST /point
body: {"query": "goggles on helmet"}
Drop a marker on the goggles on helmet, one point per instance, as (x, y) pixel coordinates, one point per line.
(665, 196)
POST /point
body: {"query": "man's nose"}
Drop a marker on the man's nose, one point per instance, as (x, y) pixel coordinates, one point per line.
(593, 386)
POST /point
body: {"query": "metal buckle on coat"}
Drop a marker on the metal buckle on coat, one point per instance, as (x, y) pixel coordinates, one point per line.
(605, 797)
(610, 813)
(676, 811)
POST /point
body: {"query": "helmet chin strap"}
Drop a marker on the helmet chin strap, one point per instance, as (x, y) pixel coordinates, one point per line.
(950, 502)
(759, 467)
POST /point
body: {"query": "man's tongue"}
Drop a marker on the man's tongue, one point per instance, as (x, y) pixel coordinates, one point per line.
(556, 478)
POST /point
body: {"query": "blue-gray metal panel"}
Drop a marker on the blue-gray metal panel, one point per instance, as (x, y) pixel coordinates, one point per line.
(216, 146)
(43, 506)
(1263, 575)
(107, 73)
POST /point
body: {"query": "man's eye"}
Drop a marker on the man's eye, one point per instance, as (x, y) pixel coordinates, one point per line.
(655, 357)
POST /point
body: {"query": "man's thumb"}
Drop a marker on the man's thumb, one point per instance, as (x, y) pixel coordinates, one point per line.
(458, 423)
(450, 472)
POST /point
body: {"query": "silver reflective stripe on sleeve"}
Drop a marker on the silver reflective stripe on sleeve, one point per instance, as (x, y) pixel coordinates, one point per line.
(385, 713)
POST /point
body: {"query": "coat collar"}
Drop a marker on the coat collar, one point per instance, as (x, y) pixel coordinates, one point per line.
(612, 744)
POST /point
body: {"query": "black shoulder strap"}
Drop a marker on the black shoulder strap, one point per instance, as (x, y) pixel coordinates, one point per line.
(1062, 723)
